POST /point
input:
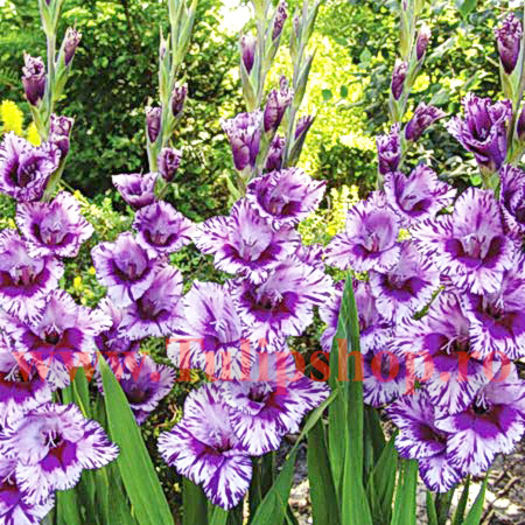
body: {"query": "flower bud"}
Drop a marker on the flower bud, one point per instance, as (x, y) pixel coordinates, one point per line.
(244, 134)
(274, 160)
(424, 116)
(60, 132)
(153, 123)
(178, 97)
(71, 41)
(423, 38)
(389, 150)
(248, 44)
(303, 125)
(398, 79)
(296, 24)
(280, 18)
(276, 105)
(169, 162)
(521, 125)
(483, 130)
(508, 37)
(34, 79)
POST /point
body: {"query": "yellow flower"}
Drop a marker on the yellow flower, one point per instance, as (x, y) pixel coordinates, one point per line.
(92, 270)
(77, 283)
(32, 135)
(12, 117)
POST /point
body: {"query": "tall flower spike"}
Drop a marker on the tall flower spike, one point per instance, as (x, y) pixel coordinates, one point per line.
(52, 445)
(55, 228)
(483, 131)
(508, 37)
(204, 448)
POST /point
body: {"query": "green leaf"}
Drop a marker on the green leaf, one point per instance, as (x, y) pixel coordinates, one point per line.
(273, 507)
(67, 511)
(355, 509)
(431, 509)
(343, 91)
(381, 484)
(194, 504)
(322, 489)
(218, 517)
(405, 510)
(462, 505)
(327, 94)
(262, 479)
(466, 7)
(476, 511)
(135, 465)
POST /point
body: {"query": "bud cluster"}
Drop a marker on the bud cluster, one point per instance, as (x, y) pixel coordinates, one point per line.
(254, 139)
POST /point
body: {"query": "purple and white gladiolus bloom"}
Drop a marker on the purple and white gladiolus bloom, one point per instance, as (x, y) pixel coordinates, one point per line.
(125, 267)
(162, 228)
(483, 130)
(57, 338)
(24, 279)
(209, 333)
(52, 444)
(469, 246)
(369, 240)
(286, 197)
(244, 243)
(417, 196)
(25, 169)
(204, 448)
(54, 228)
(136, 189)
